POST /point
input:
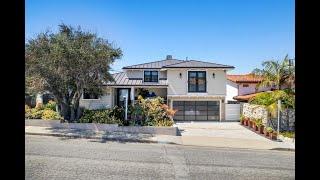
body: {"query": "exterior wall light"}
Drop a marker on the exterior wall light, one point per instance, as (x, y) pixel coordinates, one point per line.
(180, 75)
(213, 75)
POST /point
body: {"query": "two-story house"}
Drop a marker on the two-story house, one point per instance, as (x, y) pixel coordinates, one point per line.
(197, 89)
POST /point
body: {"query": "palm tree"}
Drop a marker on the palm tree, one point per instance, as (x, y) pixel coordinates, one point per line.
(276, 73)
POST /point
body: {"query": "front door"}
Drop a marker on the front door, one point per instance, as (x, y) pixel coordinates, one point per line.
(122, 94)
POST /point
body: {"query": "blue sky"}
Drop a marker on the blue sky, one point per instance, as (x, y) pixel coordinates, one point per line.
(239, 33)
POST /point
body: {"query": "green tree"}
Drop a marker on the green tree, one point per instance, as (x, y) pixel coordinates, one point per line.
(276, 73)
(67, 62)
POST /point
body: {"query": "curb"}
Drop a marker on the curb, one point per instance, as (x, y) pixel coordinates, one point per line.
(283, 149)
(102, 138)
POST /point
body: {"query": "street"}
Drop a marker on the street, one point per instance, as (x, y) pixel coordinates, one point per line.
(62, 158)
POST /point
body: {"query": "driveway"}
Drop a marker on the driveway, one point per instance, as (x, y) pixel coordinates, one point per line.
(225, 134)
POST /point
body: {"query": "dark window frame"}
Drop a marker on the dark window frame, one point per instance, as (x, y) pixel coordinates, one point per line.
(89, 96)
(151, 76)
(197, 82)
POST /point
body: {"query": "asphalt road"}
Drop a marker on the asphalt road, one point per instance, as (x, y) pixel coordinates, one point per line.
(60, 158)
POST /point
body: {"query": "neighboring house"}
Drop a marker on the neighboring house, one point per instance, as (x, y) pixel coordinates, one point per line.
(243, 87)
(196, 89)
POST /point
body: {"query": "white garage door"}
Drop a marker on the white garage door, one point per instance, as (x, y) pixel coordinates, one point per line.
(232, 112)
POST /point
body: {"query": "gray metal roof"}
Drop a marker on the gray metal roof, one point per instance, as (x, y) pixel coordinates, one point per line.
(154, 65)
(196, 64)
(121, 79)
(176, 63)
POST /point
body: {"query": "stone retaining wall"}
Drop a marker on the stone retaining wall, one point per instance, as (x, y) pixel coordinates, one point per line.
(287, 116)
(255, 111)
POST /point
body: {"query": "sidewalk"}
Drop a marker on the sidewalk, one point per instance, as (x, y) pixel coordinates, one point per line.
(163, 139)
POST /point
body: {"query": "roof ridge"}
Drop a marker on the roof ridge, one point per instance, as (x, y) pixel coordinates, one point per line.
(152, 62)
(177, 63)
(209, 62)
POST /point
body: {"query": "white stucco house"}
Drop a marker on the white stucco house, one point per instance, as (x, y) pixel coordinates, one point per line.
(197, 89)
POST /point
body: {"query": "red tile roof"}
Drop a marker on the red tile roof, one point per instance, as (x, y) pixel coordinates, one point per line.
(245, 97)
(246, 78)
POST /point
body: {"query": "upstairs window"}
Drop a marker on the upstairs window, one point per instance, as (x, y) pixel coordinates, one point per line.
(245, 85)
(150, 76)
(197, 81)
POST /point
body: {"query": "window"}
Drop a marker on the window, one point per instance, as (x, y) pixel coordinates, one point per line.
(197, 81)
(245, 85)
(89, 95)
(150, 76)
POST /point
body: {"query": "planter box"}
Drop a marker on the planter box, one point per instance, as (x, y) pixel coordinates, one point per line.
(256, 128)
(261, 129)
(273, 136)
(265, 132)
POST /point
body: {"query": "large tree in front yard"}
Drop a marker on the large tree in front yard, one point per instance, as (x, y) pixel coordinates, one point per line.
(277, 73)
(67, 62)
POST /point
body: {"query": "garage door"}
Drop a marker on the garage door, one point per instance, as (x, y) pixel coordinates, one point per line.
(196, 110)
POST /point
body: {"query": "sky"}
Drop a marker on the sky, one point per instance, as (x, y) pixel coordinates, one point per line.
(231, 32)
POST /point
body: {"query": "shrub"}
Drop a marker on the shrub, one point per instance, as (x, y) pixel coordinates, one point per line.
(49, 114)
(51, 105)
(27, 112)
(289, 134)
(106, 116)
(155, 112)
(36, 113)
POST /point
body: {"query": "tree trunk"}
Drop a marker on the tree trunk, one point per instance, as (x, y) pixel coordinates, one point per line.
(75, 114)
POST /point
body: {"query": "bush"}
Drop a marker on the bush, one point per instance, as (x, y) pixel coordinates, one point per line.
(49, 114)
(51, 105)
(289, 134)
(105, 116)
(155, 112)
(27, 112)
(36, 113)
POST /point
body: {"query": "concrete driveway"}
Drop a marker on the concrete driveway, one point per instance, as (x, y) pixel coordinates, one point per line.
(225, 134)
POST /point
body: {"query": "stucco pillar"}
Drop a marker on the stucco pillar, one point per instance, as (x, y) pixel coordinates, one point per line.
(132, 95)
(39, 100)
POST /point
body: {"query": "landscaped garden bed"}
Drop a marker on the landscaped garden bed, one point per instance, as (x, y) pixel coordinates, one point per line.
(147, 112)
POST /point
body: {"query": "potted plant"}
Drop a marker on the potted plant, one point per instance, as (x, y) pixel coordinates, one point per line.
(246, 121)
(242, 120)
(273, 135)
(256, 124)
(260, 126)
(249, 122)
(268, 131)
(253, 124)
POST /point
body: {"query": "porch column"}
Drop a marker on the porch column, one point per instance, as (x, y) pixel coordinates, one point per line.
(132, 95)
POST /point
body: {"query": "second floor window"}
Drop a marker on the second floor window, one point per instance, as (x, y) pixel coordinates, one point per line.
(150, 76)
(197, 81)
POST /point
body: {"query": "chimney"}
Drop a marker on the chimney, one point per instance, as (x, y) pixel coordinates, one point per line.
(169, 57)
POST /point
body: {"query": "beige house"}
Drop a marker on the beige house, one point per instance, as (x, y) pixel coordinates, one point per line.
(196, 89)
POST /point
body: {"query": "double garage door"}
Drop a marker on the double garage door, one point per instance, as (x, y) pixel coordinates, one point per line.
(197, 110)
